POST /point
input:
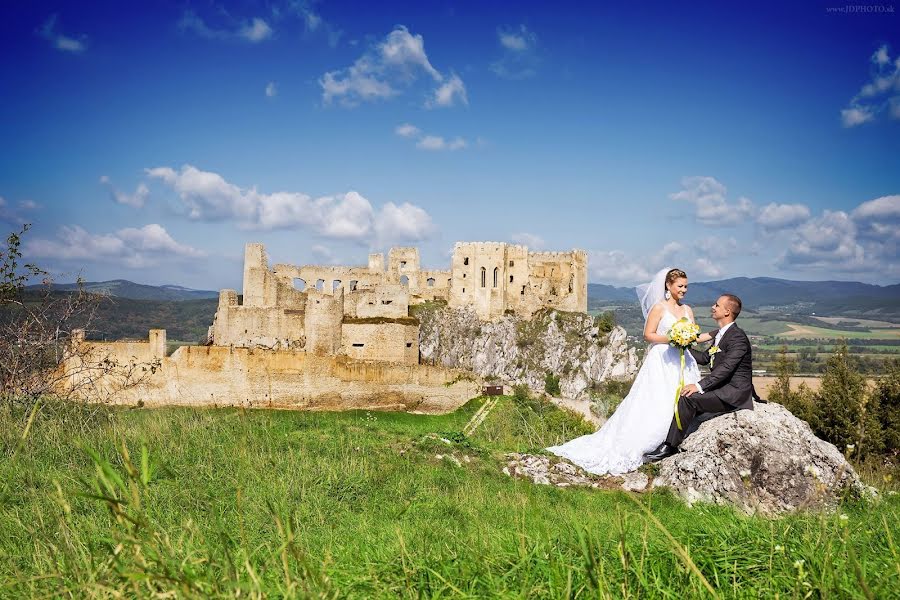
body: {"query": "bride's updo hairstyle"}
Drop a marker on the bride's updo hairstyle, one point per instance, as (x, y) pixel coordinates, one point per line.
(673, 276)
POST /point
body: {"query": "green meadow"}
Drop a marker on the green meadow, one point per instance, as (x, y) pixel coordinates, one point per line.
(182, 503)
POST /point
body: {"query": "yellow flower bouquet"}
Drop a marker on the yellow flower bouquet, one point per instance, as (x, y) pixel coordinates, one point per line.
(682, 335)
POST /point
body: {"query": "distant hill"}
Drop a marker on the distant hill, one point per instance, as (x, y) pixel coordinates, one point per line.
(122, 288)
(839, 297)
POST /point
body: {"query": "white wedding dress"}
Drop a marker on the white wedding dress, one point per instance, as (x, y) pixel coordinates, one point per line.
(641, 422)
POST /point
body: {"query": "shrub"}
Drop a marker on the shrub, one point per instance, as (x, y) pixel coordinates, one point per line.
(845, 413)
(551, 384)
(521, 393)
(605, 322)
(887, 397)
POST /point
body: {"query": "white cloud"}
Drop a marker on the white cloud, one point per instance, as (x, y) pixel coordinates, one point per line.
(711, 207)
(716, 247)
(403, 223)
(254, 31)
(207, 196)
(617, 267)
(705, 267)
(49, 32)
(451, 90)
(880, 94)
(533, 241)
(517, 40)
(865, 241)
(137, 199)
(430, 142)
(385, 70)
(775, 217)
(436, 142)
(519, 59)
(16, 216)
(132, 247)
(878, 221)
(271, 89)
(407, 130)
(323, 255)
(857, 115)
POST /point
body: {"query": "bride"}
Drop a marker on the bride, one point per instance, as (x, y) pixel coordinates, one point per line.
(640, 423)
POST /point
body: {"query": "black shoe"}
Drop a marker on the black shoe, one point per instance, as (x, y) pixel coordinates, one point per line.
(663, 451)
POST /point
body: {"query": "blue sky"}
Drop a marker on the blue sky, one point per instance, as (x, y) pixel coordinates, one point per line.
(151, 142)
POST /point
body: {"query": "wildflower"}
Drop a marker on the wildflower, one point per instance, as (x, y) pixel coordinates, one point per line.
(798, 564)
(744, 473)
(844, 518)
(779, 548)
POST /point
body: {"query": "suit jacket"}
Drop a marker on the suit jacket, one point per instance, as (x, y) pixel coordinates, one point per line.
(731, 376)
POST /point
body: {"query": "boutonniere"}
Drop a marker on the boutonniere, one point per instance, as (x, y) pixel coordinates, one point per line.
(712, 355)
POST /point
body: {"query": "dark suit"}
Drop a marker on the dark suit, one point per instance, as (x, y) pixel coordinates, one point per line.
(728, 387)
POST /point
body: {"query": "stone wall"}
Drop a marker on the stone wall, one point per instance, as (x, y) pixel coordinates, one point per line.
(495, 278)
(227, 376)
(392, 340)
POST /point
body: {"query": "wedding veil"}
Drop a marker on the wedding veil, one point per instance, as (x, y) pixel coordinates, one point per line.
(651, 293)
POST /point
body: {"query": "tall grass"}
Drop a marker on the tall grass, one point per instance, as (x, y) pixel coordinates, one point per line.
(250, 504)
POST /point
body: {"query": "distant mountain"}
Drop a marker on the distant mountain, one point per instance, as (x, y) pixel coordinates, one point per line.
(121, 288)
(756, 292)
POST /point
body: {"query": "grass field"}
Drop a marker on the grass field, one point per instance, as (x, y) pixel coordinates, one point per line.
(226, 503)
(808, 331)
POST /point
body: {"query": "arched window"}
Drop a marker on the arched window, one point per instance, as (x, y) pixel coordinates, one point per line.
(299, 284)
(496, 275)
(353, 283)
(335, 284)
(404, 281)
(320, 284)
(430, 281)
(483, 277)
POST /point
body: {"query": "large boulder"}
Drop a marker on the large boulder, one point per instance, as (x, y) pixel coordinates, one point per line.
(764, 461)
(517, 350)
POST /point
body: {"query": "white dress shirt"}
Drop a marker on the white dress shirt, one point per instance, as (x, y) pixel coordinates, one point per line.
(716, 343)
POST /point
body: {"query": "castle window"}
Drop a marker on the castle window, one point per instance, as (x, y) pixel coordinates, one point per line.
(404, 281)
(385, 302)
(409, 344)
(570, 285)
(402, 263)
(510, 278)
(430, 281)
(299, 284)
(464, 290)
(335, 284)
(496, 275)
(353, 284)
(512, 263)
(523, 291)
(320, 284)
(466, 260)
(483, 277)
(358, 345)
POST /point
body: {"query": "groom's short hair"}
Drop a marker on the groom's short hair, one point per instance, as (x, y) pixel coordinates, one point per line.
(734, 304)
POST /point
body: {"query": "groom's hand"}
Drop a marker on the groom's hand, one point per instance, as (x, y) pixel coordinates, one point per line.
(689, 389)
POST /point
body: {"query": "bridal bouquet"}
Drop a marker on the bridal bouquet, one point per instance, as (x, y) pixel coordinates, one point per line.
(682, 335)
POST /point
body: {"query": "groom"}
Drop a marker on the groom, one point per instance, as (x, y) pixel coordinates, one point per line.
(729, 385)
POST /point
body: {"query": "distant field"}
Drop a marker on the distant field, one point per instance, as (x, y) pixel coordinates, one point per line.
(859, 322)
(763, 384)
(752, 325)
(807, 331)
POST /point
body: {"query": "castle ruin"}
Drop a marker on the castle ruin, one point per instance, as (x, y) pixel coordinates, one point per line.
(363, 312)
(333, 337)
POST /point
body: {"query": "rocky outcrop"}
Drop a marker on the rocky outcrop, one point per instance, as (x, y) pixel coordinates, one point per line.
(764, 461)
(515, 350)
